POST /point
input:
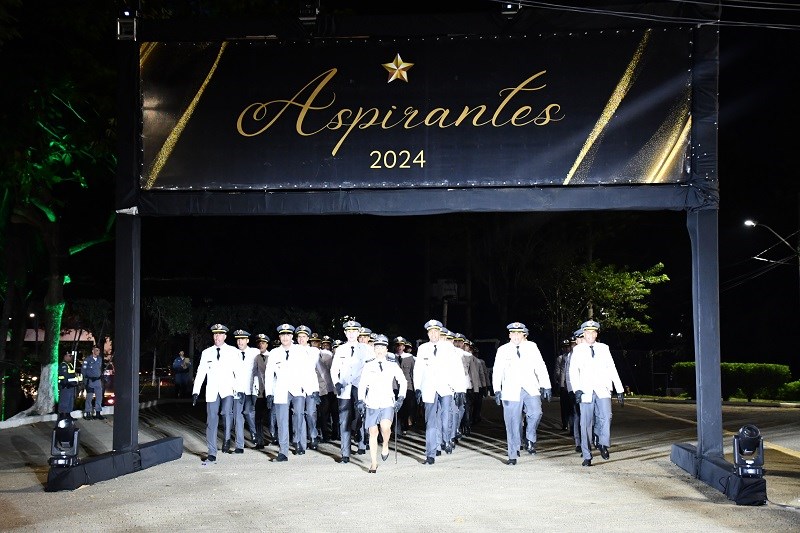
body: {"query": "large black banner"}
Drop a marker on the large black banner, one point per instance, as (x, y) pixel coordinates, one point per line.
(609, 107)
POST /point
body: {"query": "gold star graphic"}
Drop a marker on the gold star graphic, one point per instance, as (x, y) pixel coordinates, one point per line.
(398, 69)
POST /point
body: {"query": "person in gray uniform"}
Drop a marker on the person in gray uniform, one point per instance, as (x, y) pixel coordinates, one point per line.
(409, 408)
(92, 372)
(592, 373)
(261, 411)
(217, 368)
(520, 380)
(376, 398)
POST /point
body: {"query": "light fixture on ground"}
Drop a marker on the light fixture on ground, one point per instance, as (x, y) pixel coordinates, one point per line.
(64, 445)
(748, 452)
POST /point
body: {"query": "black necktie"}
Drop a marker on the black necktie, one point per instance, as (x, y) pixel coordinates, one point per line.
(592, 349)
(434, 350)
(242, 356)
(517, 351)
(287, 355)
(380, 365)
(352, 351)
(217, 354)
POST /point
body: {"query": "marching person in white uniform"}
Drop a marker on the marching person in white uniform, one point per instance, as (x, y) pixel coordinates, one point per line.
(247, 377)
(438, 375)
(288, 379)
(592, 373)
(520, 379)
(217, 368)
(348, 361)
(376, 398)
(303, 334)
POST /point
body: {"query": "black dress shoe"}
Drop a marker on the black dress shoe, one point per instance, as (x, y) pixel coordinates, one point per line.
(238, 450)
(578, 449)
(604, 452)
(345, 460)
(587, 462)
(530, 447)
(438, 453)
(211, 459)
(281, 458)
(448, 448)
(259, 446)
(226, 447)
(87, 416)
(361, 451)
(429, 461)
(511, 462)
(99, 416)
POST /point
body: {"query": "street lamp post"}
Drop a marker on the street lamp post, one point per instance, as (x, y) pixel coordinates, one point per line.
(796, 251)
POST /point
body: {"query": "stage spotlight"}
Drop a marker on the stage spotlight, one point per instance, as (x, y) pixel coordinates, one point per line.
(748, 452)
(64, 445)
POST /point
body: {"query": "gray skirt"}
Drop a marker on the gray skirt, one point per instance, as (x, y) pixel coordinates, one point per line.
(374, 416)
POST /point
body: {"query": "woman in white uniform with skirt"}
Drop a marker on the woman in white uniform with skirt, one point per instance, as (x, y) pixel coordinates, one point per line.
(376, 398)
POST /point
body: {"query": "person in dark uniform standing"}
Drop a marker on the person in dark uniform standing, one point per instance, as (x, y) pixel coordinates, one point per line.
(560, 379)
(92, 372)
(261, 411)
(67, 385)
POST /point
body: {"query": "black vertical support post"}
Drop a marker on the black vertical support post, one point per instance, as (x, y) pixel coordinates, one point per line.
(126, 340)
(705, 461)
(128, 239)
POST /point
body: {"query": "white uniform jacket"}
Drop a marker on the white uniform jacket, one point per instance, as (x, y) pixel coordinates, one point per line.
(377, 382)
(289, 374)
(593, 374)
(247, 373)
(348, 361)
(513, 373)
(442, 373)
(219, 374)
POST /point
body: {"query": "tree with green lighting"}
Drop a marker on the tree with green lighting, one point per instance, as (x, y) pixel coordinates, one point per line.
(56, 144)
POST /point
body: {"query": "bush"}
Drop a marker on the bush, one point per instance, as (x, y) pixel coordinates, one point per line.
(754, 380)
(789, 391)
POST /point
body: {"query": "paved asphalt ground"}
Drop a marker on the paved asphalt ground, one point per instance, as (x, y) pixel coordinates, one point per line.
(637, 489)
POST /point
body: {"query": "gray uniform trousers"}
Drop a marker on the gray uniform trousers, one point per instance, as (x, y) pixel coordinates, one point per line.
(346, 407)
(249, 412)
(311, 419)
(238, 418)
(226, 408)
(597, 414)
(575, 420)
(455, 424)
(212, 425)
(281, 413)
(438, 423)
(533, 414)
(298, 421)
(512, 415)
